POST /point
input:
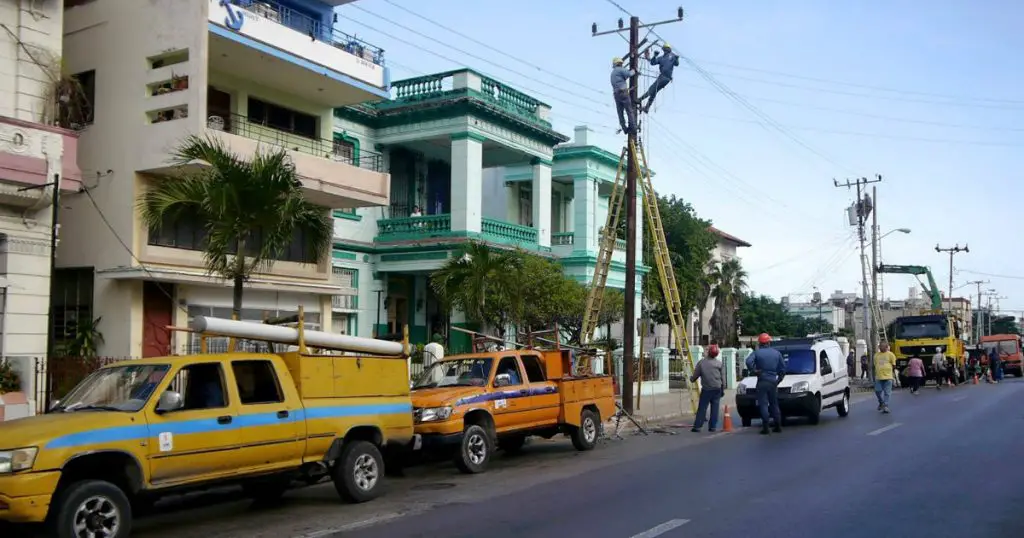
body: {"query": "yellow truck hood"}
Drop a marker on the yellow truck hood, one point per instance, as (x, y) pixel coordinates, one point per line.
(62, 430)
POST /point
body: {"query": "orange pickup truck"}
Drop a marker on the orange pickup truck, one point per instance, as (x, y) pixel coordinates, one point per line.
(472, 404)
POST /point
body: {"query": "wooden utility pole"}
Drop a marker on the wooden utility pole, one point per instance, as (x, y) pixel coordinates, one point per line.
(629, 325)
(952, 251)
(977, 328)
(863, 206)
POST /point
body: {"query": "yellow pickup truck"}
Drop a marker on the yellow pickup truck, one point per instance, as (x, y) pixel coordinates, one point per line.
(135, 431)
(470, 404)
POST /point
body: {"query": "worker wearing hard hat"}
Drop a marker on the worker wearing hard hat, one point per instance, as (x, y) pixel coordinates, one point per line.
(620, 90)
(769, 367)
(666, 63)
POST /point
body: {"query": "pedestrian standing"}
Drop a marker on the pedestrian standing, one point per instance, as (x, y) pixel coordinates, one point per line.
(885, 363)
(851, 362)
(711, 372)
(993, 366)
(864, 366)
(939, 367)
(769, 367)
(915, 373)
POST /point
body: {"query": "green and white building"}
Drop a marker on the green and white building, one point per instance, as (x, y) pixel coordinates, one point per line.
(480, 161)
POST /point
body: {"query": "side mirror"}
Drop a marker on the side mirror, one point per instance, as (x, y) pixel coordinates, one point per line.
(502, 380)
(169, 401)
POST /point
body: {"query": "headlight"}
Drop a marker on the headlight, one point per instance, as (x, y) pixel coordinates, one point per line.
(435, 413)
(800, 386)
(741, 389)
(20, 459)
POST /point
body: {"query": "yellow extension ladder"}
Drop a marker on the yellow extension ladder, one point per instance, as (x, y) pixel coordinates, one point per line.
(662, 258)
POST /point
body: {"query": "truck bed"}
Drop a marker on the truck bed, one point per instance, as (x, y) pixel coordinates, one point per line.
(575, 393)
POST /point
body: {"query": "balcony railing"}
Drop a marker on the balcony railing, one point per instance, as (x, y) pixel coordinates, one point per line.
(413, 227)
(511, 100)
(563, 238)
(345, 302)
(620, 245)
(328, 149)
(505, 230)
(312, 27)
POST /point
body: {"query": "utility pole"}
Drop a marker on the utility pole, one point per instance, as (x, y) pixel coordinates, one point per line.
(952, 251)
(629, 329)
(875, 344)
(977, 333)
(862, 207)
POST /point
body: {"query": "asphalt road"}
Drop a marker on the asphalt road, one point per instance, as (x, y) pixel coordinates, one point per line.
(943, 464)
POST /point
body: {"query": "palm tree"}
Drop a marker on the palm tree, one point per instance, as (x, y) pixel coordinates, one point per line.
(251, 209)
(477, 282)
(732, 283)
(708, 283)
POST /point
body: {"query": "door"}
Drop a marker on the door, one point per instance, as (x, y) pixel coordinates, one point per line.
(198, 441)
(544, 397)
(157, 316)
(512, 401)
(218, 103)
(270, 429)
(827, 373)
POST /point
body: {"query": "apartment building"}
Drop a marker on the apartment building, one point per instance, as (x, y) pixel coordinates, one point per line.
(37, 156)
(254, 74)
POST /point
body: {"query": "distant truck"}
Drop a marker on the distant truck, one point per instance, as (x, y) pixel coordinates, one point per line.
(471, 404)
(1008, 346)
(922, 336)
(134, 431)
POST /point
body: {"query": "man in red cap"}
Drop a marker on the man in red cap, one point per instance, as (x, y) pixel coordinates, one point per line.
(769, 367)
(711, 372)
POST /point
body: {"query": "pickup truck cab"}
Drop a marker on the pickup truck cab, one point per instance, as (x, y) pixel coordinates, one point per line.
(472, 404)
(135, 431)
(1009, 349)
(816, 379)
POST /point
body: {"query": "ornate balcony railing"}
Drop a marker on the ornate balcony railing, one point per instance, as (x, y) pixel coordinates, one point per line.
(563, 238)
(501, 95)
(408, 228)
(506, 230)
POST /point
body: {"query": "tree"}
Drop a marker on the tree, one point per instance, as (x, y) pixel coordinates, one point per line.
(730, 283)
(251, 210)
(1005, 325)
(708, 283)
(477, 281)
(570, 317)
(762, 314)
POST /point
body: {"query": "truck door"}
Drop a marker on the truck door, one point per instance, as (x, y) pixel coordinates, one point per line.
(838, 380)
(544, 397)
(828, 377)
(270, 428)
(198, 441)
(510, 402)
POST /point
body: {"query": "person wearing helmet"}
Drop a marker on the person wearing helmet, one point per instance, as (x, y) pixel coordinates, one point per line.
(711, 372)
(623, 101)
(769, 367)
(666, 63)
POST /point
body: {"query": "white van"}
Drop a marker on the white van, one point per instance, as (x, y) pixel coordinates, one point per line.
(816, 379)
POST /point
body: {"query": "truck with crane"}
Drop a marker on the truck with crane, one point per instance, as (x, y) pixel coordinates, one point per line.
(922, 335)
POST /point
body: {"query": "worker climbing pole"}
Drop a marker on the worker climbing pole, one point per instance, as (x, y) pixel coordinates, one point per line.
(624, 194)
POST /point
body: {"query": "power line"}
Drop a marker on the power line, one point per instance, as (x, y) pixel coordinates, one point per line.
(991, 275)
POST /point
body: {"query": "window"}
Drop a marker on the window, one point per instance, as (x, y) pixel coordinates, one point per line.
(282, 119)
(534, 368)
(345, 150)
(924, 328)
(800, 361)
(81, 107)
(201, 385)
(826, 367)
(257, 382)
(510, 367)
(188, 233)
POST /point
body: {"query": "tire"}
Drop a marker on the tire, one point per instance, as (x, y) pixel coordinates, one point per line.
(475, 450)
(265, 491)
(585, 437)
(512, 444)
(844, 406)
(91, 502)
(815, 416)
(746, 421)
(359, 472)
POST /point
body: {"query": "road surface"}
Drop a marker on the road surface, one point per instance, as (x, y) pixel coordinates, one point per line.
(942, 464)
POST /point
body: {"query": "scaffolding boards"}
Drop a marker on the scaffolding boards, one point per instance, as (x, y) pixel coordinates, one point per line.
(662, 259)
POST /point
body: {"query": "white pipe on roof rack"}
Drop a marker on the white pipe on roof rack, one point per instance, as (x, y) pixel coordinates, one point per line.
(289, 335)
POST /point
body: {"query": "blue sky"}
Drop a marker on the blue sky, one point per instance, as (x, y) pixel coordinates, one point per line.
(925, 93)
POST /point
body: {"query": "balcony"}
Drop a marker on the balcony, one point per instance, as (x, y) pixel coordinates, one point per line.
(23, 160)
(439, 226)
(281, 48)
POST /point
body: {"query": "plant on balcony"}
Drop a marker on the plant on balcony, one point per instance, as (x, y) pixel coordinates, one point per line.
(9, 380)
(251, 209)
(65, 103)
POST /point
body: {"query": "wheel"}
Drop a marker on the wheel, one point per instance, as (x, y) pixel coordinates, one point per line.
(475, 451)
(746, 421)
(844, 406)
(585, 437)
(512, 444)
(815, 416)
(92, 508)
(358, 473)
(266, 490)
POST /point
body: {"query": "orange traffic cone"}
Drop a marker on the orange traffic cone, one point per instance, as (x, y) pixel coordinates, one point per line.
(727, 425)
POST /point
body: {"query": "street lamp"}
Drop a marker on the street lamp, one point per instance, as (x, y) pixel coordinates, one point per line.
(901, 230)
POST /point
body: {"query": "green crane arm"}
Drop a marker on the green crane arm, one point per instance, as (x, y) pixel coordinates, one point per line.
(932, 289)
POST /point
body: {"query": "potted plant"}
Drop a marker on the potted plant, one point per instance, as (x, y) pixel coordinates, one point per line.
(179, 82)
(66, 103)
(9, 380)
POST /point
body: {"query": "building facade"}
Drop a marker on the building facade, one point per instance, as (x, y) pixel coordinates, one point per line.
(254, 75)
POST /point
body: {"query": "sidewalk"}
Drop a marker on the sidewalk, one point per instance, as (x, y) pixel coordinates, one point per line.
(671, 405)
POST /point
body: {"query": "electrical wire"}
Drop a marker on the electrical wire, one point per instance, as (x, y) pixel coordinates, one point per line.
(992, 275)
(844, 237)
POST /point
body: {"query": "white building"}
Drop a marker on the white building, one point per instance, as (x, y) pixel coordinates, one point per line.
(253, 74)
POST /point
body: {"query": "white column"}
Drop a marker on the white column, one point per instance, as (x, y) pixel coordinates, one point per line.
(585, 224)
(467, 181)
(542, 201)
(641, 219)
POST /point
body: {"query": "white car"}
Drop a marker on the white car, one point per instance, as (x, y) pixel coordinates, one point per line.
(816, 379)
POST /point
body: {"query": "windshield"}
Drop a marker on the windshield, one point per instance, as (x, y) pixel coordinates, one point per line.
(119, 388)
(800, 361)
(469, 372)
(1006, 347)
(909, 330)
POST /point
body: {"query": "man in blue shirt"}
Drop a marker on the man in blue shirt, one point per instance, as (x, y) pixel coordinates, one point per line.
(620, 90)
(666, 63)
(769, 367)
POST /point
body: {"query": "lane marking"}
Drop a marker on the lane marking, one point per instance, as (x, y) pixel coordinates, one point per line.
(383, 518)
(662, 529)
(960, 398)
(892, 426)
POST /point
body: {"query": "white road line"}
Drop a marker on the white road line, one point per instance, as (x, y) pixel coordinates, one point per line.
(960, 398)
(885, 429)
(353, 526)
(662, 529)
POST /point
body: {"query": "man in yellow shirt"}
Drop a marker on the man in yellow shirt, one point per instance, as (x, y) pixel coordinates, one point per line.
(885, 364)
